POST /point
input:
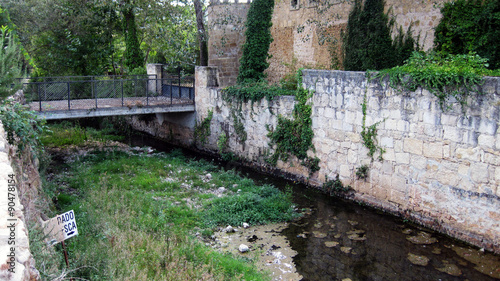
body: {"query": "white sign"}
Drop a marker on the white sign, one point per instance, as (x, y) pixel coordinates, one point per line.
(60, 228)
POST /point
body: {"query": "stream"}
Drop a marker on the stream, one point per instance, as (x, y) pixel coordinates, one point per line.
(341, 240)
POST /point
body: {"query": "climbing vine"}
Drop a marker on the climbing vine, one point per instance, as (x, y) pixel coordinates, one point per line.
(294, 136)
(253, 62)
(222, 145)
(369, 133)
(238, 126)
(202, 130)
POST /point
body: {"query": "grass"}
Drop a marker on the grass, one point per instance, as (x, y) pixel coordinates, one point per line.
(68, 133)
(137, 216)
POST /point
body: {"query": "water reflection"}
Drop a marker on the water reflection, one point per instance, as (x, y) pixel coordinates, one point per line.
(345, 241)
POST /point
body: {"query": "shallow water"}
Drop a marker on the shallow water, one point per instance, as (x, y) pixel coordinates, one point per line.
(338, 240)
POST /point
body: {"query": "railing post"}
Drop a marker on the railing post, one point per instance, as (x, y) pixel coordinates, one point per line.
(179, 77)
(122, 91)
(69, 98)
(135, 86)
(171, 90)
(39, 96)
(147, 91)
(94, 94)
(191, 92)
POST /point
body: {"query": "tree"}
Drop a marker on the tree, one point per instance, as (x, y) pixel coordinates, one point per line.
(253, 62)
(96, 37)
(470, 26)
(134, 57)
(202, 35)
(67, 37)
(10, 62)
(368, 42)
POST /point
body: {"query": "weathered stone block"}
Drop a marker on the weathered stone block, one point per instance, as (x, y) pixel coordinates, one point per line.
(479, 172)
(487, 126)
(414, 146)
(431, 118)
(486, 140)
(402, 158)
(473, 154)
(402, 125)
(387, 142)
(452, 134)
(345, 171)
(389, 155)
(433, 150)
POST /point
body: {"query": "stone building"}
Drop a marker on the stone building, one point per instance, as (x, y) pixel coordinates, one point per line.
(306, 32)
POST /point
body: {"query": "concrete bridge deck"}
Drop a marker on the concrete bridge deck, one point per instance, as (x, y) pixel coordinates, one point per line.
(81, 108)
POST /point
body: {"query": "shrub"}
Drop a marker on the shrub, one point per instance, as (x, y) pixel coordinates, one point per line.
(368, 43)
(470, 26)
(445, 76)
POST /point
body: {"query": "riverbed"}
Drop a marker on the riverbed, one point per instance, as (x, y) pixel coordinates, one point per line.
(342, 240)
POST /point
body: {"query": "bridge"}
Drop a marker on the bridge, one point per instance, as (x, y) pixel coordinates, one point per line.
(96, 96)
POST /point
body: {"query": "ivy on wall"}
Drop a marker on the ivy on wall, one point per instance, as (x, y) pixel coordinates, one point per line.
(294, 136)
(253, 62)
(369, 133)
(202, 130)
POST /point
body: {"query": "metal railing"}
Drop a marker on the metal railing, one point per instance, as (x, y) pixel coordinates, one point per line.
(106, 93)
(86, 78)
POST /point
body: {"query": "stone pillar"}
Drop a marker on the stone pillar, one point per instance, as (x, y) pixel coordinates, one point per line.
(205, 77)
(154, 69)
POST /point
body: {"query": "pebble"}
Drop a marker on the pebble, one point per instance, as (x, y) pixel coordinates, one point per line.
(245, 225)
(243, 248)
(229, 229)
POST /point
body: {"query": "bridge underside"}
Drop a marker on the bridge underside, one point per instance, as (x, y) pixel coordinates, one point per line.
(61, 109)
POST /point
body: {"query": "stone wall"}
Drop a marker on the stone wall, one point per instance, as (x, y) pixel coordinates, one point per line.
(306, 34)
(439, 168)
(16, 261)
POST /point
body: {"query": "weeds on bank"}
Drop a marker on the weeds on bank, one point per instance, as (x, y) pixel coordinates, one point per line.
(137, 215)
(67, 133)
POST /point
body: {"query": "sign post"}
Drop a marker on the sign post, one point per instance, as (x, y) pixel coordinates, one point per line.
(60, 228)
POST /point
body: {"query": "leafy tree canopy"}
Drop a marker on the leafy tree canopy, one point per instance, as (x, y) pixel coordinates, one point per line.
(96, 37)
